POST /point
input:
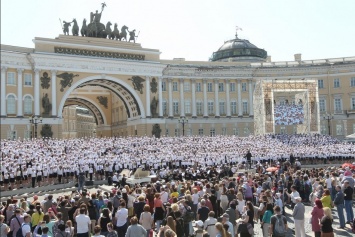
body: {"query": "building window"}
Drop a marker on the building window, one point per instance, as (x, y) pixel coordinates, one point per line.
(323, 129)
(188, 132)
(210, 107)
(12, 135)
(11, 78)
(177, 132)
(339, 129)
(337, 105)
(27, 105)
(244, 86)
(199, 107)
(233, 107)
(175, 86)
(352, 106)
(224, 131)
(166, 132)
(209, 87)
(176, 107)
(187, 107)
(336, 83)
(28, 134)
(163, 86)
(212, 132)
(200, 131)
(352, 82)
(322, 105)
(221, 87)
(282, 130)
(353, 127)
(235, 132)
(186, 86)
(246, 131)
(165, 110)
(320, 84)
(245, 107)
(232, 87)
(221, 108)
(198, 87)
(11, 104)
(28, 79)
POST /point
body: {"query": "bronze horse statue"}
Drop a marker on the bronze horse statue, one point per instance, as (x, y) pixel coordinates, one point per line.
(109, 31)
(123, 34)
(84, 29)
(116, 32)
(75, 29)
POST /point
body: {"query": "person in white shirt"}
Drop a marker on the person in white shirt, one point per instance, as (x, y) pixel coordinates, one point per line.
(26, 226)
(293, 195)
(164, 195)
(121, 219)
(83, 224)
(209, 224)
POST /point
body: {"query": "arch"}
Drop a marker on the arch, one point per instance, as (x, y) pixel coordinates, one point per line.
(11, 103)
(106, 82)
(91, 105)
(27, 104)
(23, 98)
(11, 94)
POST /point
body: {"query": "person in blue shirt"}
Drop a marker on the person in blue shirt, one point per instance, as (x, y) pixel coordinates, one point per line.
(266, 222)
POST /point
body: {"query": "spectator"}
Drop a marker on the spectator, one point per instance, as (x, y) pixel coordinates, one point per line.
(135, 230)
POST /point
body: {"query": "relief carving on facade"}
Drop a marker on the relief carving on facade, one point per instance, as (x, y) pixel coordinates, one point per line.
(45, 81)
(103, 101)
(154, 86)
(137, 83)
(67, 79)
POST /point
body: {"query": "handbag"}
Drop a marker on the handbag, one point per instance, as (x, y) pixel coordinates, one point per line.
(250, 229)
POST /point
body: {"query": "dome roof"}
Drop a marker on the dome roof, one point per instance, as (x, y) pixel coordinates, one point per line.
(239, 50)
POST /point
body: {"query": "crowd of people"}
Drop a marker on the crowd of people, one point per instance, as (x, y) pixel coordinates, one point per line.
(199, 191)
(30, 163)
(289, 114)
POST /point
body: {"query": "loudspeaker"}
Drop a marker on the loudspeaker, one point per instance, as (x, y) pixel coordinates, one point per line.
(89, 183)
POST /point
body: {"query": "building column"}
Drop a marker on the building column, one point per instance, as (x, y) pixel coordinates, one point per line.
(36, 86)
(205, 107)
(3, 91)
(160, 97)
(147, 96)
(228, 98)
(193, 93)
(19, 93)
(240, 109)
(170, 81)
(216, 100)
(251, 108)
(54, 93)
(182, 101)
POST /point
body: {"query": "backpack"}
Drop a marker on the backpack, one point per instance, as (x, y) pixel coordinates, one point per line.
(179, 227)
(19, 232)
(279, 228)
(189, 216)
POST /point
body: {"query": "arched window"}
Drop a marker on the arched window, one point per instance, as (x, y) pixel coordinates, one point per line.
(27, 105)
(11, 104)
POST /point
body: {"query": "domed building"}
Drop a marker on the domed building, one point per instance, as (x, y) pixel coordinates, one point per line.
(239, 50)
(132, 92)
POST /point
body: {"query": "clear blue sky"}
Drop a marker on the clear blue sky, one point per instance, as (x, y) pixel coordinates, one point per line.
(194, 29)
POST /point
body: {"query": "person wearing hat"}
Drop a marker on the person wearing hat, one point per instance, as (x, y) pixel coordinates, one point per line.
(298, 216)
(199, 228)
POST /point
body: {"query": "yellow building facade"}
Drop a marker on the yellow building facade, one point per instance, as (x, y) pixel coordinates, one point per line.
(130, 90)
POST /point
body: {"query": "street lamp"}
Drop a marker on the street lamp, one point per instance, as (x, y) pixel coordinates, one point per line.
(183, 121)
(35, 120)
(328, 117)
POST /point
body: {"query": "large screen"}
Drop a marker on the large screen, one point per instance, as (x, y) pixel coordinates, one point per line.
(288, 114)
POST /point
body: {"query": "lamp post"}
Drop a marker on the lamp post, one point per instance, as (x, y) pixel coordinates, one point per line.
(328, 117)
(35, 120)
(183, 121)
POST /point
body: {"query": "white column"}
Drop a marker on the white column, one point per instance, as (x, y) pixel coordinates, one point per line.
(205, 108)
(216, 100)
(170, 81)
(182, 101)
(251, 109)
(160, 98)
(19, 93)
(54, 93)
(193, 93)
(228, 99)
(147, 96)
(3, 91)
(36, 86)
(240, 109)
